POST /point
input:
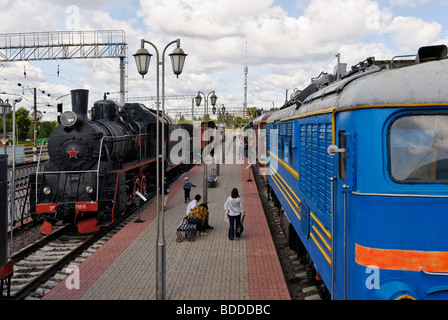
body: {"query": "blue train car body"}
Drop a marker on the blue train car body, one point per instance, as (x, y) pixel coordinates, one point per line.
(359, 164)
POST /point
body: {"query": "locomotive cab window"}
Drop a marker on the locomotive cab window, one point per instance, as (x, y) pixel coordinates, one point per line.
(418, 149)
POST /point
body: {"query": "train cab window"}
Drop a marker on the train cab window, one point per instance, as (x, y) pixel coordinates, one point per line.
(342, 163)
(418, 149)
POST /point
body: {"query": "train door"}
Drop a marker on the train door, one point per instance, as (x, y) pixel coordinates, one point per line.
(343, 183)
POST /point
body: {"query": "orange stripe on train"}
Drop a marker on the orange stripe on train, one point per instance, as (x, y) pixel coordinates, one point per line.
(408, 260)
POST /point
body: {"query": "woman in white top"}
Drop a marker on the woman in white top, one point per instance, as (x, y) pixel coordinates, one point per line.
(234, 208)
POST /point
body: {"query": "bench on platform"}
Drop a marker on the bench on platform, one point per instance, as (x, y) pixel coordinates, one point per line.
(212, 179)
(186, 231)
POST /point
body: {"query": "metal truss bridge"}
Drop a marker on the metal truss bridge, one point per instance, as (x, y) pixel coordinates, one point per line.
(63, 45)
(59, 45)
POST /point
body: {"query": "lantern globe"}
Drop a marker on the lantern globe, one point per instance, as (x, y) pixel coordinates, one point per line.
(198, 100)
(142, 59)
(177, 61)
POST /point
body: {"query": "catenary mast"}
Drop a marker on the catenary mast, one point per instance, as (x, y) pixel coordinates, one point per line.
(246, 70)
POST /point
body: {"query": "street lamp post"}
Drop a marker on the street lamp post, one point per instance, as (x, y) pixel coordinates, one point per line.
(192, 111)
(142, 59)
(221, 110)
(198, 99)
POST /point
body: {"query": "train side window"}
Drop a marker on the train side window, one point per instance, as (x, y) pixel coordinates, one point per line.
(342, 162)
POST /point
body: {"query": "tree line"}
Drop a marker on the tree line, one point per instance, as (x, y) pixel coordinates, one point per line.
(252, 113)
(25, 125)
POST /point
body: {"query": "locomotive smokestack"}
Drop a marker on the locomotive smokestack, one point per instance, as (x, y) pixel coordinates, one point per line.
(80, 99)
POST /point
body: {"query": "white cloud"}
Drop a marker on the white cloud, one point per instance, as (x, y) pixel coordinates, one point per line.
(284, 50)
(411, 33)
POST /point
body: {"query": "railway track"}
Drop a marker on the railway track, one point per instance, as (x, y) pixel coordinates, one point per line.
(43, 264)
(300, 284)
(40, 266)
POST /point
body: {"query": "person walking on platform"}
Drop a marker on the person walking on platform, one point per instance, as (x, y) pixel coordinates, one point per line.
(234, 208)
(193, 204)
(241, 151)
(166, 191)
(187, 189)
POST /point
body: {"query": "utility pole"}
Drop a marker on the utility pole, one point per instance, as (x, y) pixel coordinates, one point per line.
(122, 80)
(35, 126)
(246, 70)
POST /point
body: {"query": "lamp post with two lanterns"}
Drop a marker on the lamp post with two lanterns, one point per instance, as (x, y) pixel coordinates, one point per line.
(142, 59)
(198, 99)
(221, 110)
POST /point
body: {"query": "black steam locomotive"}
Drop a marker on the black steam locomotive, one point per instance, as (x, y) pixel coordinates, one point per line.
(97, 166)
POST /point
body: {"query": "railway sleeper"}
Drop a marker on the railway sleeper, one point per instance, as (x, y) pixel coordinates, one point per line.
(305, 259)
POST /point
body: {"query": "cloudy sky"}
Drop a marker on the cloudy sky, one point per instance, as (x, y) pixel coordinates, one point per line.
(288, 43)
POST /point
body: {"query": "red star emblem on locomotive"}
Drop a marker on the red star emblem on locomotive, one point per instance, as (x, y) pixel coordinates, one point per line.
(73, 153)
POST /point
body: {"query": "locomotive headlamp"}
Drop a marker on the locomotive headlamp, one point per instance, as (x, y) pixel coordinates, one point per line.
(47, 190)
(68, 118)
(89, 189)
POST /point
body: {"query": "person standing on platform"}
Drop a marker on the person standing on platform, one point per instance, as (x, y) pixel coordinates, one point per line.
(241, 151)
(234, 208)
(187, 189)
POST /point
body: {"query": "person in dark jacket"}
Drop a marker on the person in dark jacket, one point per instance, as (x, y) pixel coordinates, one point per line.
(187, 189)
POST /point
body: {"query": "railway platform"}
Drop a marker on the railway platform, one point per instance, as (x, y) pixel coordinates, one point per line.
(210, 268)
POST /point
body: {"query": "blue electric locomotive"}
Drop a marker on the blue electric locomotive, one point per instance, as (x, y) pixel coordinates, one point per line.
(359, 163)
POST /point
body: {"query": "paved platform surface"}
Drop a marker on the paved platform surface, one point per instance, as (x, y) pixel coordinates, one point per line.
(210, 268)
